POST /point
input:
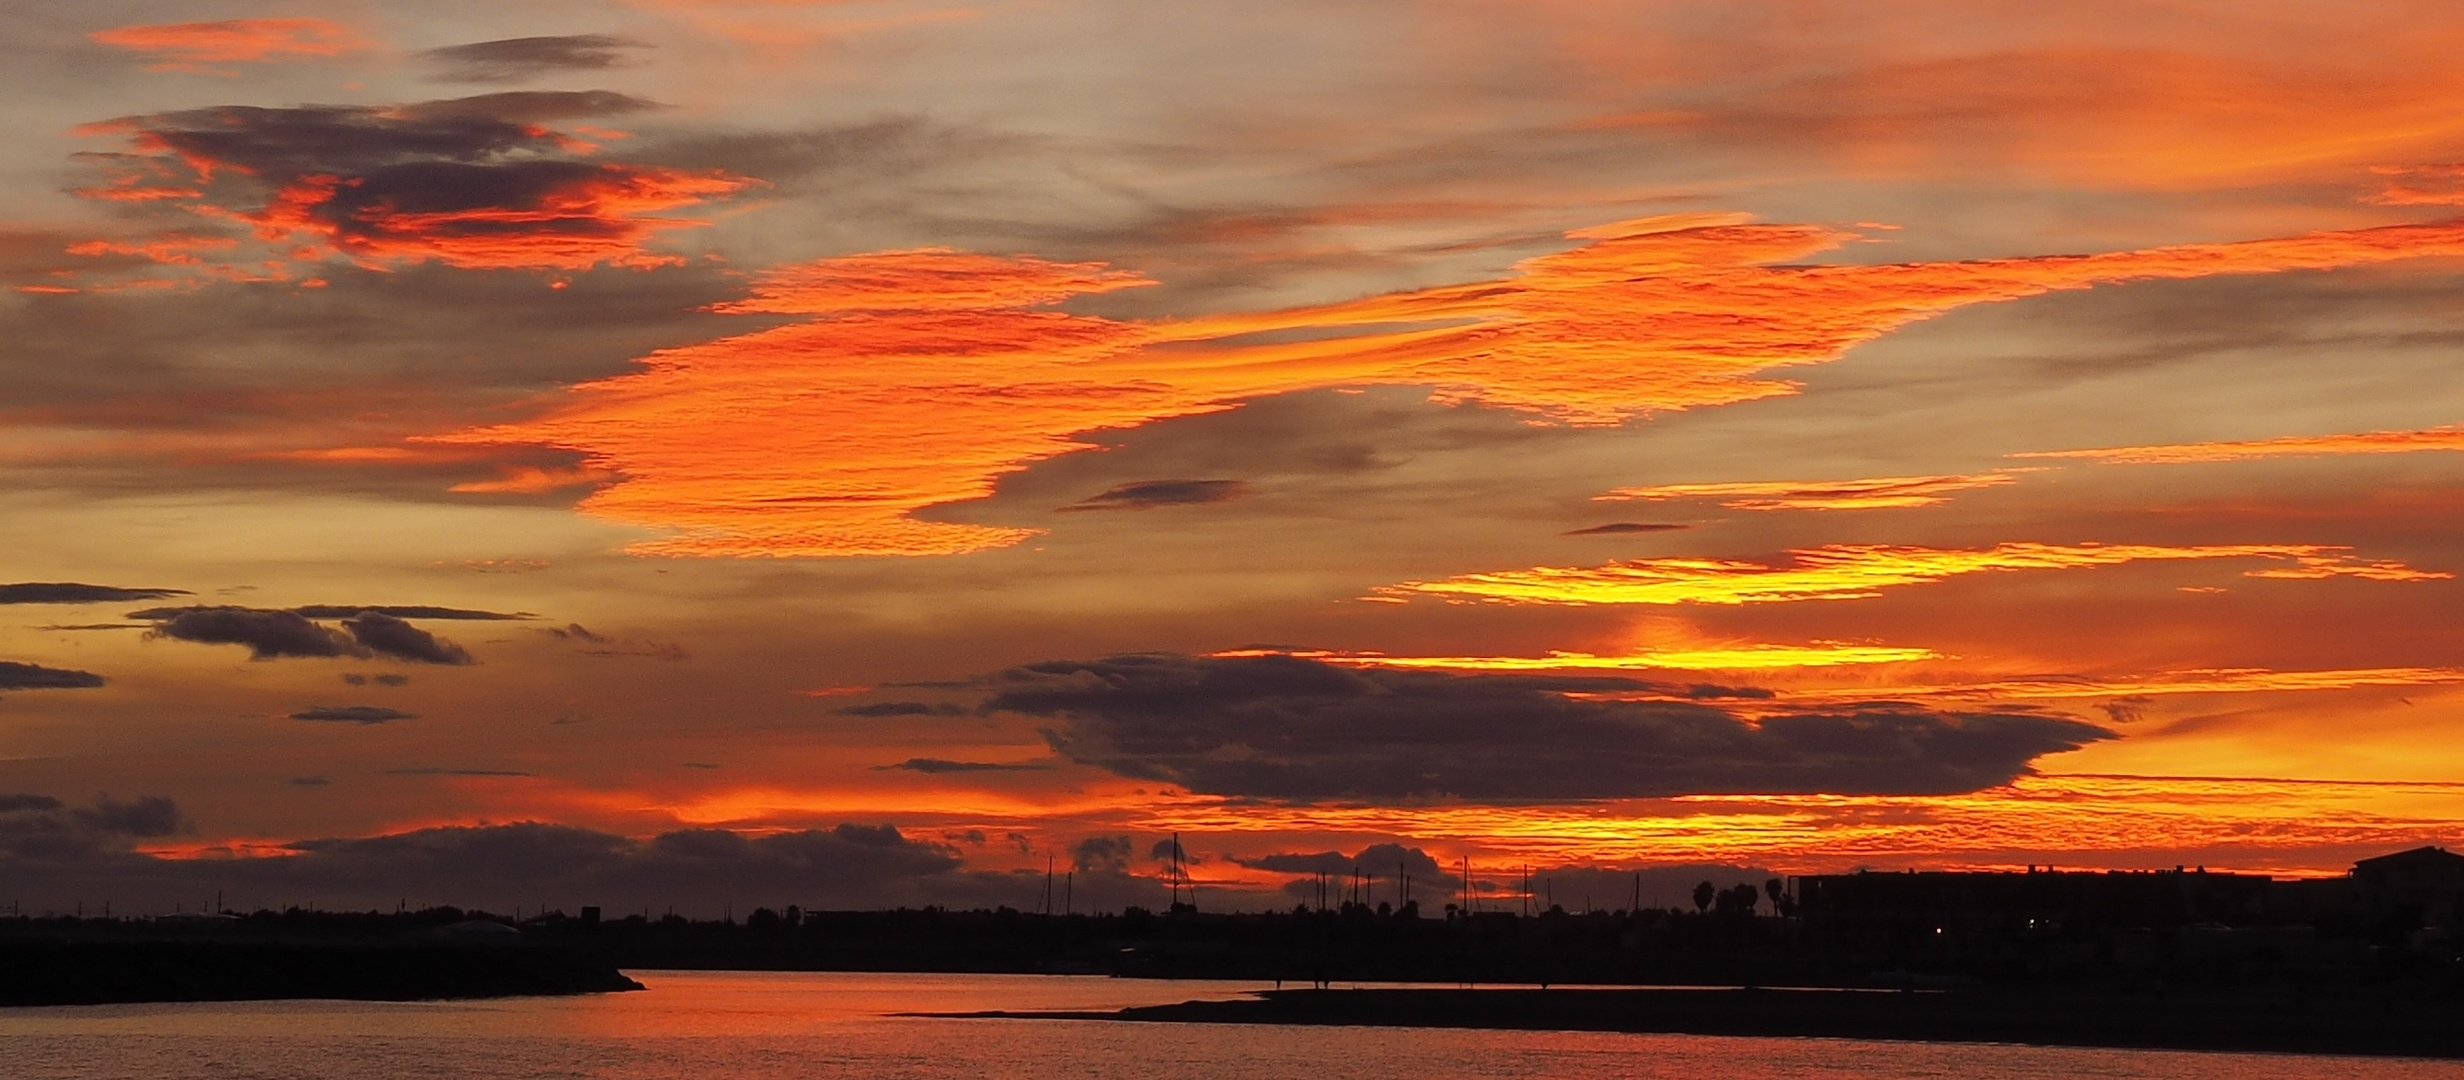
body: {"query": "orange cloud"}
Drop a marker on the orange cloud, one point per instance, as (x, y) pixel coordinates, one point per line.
(1870, 494)
(193, 46)
(2369, 442)
(923, 376)
(1857, 571)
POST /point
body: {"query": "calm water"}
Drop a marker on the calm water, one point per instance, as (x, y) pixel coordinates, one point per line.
(748, 1026)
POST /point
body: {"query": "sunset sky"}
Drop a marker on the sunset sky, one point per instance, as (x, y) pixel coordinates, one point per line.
(865, 452)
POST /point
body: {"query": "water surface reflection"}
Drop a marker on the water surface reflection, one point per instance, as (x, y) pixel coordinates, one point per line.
(776, 1026)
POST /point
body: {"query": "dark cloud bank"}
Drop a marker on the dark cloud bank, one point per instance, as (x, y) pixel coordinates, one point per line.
(1282, 727)
(54, 856)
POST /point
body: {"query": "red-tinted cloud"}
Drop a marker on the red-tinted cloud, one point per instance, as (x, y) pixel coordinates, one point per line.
(198, 45)
(2421, 185)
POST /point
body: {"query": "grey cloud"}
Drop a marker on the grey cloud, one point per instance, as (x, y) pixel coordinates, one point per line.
(272, 633)
(69, 592)
(1101, 855)
(146, 816)
(531, 106)
(352, 714)
(939, 765)
(900, 708)
(516, 59)
(818, 159)
(18, 676)
(402, 611)
(1616, 528)
(1148, 494)
(308, 781)
(609, 646)
(1381, 862)
(267, 634)
(1284, 727)
(356, 679)
(279, 145)
(128, 359)
(392, 637)
(40, 828)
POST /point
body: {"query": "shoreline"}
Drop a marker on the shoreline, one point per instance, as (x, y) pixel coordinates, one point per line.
(2354, 1024)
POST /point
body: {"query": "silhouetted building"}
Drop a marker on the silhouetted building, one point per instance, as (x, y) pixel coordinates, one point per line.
(2429, 880)
(2039, 900)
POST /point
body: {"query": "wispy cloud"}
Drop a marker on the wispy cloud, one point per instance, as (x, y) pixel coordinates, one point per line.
(2367, 442)
(1149, 494)
(352, 714)
(199, 46)
(1856, 571)
(516, 59)
(1874, 493)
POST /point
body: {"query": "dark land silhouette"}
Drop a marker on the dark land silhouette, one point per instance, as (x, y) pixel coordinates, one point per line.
(2365, 963)
(298, 955)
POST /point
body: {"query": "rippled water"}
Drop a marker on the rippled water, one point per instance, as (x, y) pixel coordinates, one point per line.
(763, 1026)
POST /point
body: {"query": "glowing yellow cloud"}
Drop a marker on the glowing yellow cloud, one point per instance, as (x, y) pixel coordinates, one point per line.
(2201, 681)
(1855, 571)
